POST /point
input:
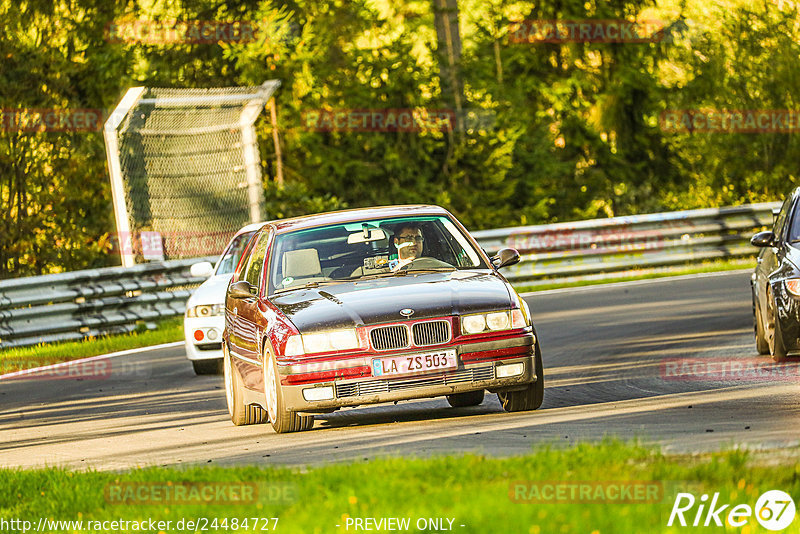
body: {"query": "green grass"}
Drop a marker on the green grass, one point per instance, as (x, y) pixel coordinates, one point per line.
(706, 267)
(16, 359)
(473, 490)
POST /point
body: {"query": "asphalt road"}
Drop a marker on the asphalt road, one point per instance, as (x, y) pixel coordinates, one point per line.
(614, 361)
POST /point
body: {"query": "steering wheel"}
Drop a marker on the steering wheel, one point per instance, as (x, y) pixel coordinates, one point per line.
(425, 262)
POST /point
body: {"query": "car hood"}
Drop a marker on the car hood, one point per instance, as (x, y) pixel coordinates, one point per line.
(210, 292)
(380, 300)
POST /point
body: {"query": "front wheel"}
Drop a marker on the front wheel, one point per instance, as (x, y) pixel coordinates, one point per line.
(774, 334)
(240, 413)
(529, 398)
(282, 420)
(762, 345)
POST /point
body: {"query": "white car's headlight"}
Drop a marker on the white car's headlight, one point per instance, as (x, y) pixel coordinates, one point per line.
(479, 323)
(333, 340)
(206, 310)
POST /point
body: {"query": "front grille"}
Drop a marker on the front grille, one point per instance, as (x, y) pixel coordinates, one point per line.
(373, 387)
(431, 333)
(389, 337)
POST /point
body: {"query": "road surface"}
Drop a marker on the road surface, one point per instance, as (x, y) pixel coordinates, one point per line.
(613, 358)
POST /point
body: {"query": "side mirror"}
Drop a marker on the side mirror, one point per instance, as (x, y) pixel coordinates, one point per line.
(241, 290)
(203, 269)
(506, 257)
(763, 239)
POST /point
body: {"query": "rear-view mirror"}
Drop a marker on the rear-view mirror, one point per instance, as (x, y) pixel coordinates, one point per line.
(202, 269)
(241, 290)
(366, 236)
(763, 239)
(505, 257)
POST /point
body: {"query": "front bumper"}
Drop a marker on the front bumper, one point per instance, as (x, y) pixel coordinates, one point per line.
(789, 317)
(477, 370)
(206, 348)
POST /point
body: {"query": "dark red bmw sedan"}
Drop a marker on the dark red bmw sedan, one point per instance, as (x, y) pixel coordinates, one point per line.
(368, 306)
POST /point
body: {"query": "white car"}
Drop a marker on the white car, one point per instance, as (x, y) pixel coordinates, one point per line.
(205, 310)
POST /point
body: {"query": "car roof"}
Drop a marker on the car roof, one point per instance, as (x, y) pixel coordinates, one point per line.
(250, 228)
(352, 215)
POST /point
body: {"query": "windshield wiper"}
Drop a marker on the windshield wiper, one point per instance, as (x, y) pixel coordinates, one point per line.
(432, 270)
(308, 285)
(379, 275)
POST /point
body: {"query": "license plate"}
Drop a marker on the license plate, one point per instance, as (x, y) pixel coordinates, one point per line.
(415, 363)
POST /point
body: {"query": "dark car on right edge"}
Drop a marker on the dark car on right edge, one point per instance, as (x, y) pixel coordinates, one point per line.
(776, 283)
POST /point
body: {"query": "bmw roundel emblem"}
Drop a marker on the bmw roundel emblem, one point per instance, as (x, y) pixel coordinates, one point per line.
(406, 312)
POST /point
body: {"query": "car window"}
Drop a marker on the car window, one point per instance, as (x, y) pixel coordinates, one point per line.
(780, 221)
(349, 251)
(256, 261)
(794, 226)
(230, 258)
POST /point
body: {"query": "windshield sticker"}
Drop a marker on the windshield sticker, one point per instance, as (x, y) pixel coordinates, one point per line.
(376, 262)
(286, 281)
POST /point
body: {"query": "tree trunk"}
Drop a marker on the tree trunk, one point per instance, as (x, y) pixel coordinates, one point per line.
(449, 54)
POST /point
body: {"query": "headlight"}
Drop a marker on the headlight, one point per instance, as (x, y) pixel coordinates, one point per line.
(206, 310)
(492, 322)
(334, 340)
(497, 321)
(473, 324)
(793, 286)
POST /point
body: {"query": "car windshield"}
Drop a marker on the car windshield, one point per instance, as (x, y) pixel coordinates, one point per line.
(230, 258)
(370, 248)
(794, 230)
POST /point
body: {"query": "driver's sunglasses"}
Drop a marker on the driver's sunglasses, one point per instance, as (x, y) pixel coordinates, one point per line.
(410, 238)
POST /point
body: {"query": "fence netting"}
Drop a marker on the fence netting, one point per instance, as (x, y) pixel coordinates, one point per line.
(190, 168)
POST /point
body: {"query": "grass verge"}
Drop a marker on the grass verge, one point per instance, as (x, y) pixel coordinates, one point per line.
(485, 495)
(16, 359)
(645, 274)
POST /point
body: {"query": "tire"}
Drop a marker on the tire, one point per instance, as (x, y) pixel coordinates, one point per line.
(240, 414)
(762, 345)
(207, 367)
(282, 420)
(462, 400)
(529, 398)
(774, 335)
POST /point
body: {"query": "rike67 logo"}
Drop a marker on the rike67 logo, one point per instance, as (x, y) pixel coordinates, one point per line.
(774, 510)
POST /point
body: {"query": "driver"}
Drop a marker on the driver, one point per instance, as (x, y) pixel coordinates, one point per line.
(409, 241)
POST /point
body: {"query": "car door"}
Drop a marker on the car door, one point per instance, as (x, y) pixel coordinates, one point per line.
(770, 258)
(244, 341)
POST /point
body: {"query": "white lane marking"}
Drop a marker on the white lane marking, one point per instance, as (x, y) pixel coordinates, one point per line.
(90, 359)
(611, 285)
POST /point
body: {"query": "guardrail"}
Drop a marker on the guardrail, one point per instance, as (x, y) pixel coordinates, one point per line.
(79, 304)
(609, 248)
(94, 302)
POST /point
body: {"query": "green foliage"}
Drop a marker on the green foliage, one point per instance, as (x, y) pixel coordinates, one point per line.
(575, 129)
